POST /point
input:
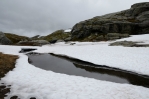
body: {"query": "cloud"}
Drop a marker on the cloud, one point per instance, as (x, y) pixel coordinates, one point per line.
(42, 17)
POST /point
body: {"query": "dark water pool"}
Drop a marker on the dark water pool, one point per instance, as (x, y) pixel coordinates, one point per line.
(80, 68)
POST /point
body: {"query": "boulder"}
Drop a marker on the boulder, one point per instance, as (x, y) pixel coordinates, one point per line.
(4, 40)
(128, 44)
(132, 21)
(60, 41)
(36, 37)
(123, 43)
(67, 39)
(53, 41)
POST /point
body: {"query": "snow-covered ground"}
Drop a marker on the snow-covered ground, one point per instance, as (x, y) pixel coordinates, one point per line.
(143, 39)
(28, 81)
(134, 59)
(67, 30)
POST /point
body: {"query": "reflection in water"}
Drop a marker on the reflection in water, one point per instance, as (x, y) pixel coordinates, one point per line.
(80, 68)
(132, 78)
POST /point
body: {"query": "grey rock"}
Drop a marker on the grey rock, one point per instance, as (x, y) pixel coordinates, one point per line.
(123, 43)
(143, 16)
(53, 41)
(132, 21)
(145, 4)
(33, 42)
(113, 36)
(128, 44)
(60, 41)
(4, 40)
(35, 37)
(42, 42)
(68, 39)
(72, 43)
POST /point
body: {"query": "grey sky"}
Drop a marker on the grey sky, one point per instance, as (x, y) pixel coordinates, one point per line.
(32, 17)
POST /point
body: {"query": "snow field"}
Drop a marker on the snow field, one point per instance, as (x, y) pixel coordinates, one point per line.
(29, 81)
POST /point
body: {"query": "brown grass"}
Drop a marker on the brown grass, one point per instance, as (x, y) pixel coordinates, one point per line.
(7, 63)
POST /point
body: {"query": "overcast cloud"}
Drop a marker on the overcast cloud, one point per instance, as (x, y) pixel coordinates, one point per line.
(32, 17)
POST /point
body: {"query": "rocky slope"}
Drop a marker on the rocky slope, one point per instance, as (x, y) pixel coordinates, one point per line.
(16, 38)
(57, 35)
(115, 25)
(4, 40)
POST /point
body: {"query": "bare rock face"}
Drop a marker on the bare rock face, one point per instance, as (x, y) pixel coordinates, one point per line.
(4, 40)
(132, 21)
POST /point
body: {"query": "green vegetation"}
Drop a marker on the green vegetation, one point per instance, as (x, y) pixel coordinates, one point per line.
(59, 34)
(16, 38)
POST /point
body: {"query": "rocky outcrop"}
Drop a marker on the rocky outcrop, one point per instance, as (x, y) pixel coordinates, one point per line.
(57, 35)
(33, 43)
(4, 40)
(16, 38)
(132, 21)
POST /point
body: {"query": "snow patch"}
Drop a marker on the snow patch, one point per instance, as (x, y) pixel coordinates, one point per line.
(68, 30)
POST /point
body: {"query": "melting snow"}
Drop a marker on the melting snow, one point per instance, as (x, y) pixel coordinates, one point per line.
(29, 81)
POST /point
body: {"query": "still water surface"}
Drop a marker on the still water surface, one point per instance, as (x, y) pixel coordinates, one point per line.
(80, 68)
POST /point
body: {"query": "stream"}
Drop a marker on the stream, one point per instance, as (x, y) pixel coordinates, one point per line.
(76, 67)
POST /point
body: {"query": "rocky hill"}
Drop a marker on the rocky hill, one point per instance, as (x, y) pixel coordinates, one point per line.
(16, 38)
(57, 35)
(4, 40)
(115, 25)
